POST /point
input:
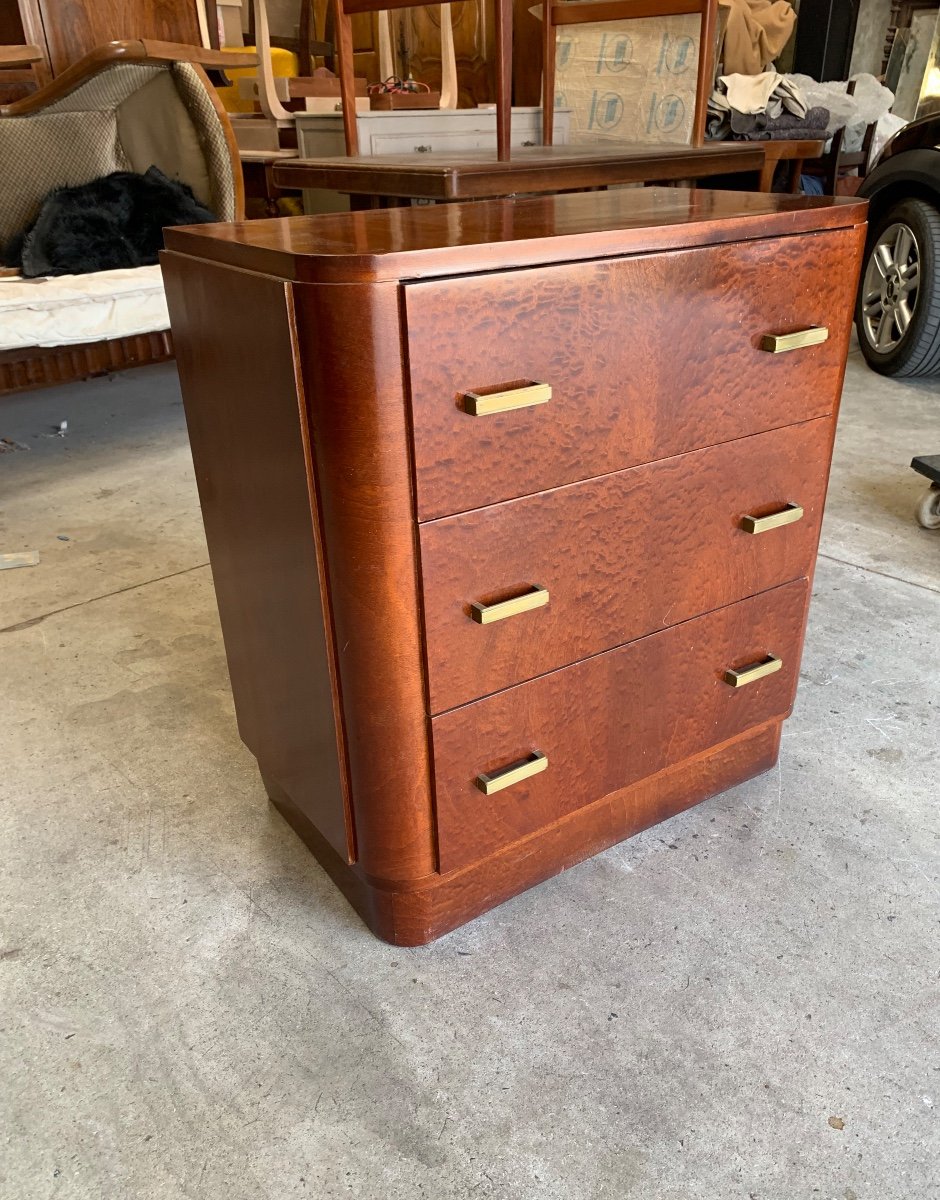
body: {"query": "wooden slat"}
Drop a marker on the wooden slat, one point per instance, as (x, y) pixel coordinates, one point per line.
(503, 79)
(623, 10)
(19, 56)
(367, 6)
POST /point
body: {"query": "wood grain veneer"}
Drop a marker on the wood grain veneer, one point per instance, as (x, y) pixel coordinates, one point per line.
(71, 29)
(494, 235)
(655, 545)
(438, 904)
(320, 383)
(647, 356)
(611, 720)
(251, 451)
(358, 427)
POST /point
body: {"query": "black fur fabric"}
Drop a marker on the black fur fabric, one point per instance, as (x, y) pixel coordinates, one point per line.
(116, 221)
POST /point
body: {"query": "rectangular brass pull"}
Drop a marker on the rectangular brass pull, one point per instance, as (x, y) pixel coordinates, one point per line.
(497, 402)
(786, 516)
(776, 343)
(514, 773)
(753, 672)
(486, 614)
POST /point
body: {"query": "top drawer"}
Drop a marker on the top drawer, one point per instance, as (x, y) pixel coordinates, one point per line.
(646, 357)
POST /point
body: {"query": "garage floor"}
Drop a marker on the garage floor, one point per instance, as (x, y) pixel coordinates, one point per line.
(740, 1003)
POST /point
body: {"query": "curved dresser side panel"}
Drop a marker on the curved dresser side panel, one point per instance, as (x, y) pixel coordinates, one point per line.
(351, 349)
(237, 358)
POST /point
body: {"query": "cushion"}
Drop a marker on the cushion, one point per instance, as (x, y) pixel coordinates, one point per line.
(72, 309)
(156, 130)
(60, 149)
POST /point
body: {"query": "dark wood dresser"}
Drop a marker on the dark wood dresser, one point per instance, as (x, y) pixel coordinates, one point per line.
(512, 510)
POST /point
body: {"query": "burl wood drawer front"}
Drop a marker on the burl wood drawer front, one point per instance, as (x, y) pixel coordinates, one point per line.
(611, 720)
(518, 589)
(645, 357)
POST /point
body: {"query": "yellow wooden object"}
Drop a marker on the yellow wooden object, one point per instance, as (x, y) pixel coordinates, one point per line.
(283, 62)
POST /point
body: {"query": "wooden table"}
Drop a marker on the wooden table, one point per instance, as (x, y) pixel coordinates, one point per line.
(475, 175)
(792, 150)
(258, 172)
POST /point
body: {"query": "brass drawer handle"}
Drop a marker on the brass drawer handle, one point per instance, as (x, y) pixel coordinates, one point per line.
(776, 343)
(514, 773)
(786, 516)
(497, 402)
(752, 673)
(486, 614)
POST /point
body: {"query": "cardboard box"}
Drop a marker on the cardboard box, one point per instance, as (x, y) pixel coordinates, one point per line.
(629, 81)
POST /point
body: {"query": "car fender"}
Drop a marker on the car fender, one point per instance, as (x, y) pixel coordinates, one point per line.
(912, 173)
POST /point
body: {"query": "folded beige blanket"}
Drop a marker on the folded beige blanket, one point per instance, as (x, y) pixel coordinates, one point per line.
(756, 32)
(769, 93)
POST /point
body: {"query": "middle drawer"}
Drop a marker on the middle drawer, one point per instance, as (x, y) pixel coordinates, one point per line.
(615, 558)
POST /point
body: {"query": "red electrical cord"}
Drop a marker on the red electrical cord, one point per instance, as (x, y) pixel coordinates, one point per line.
(397, 86)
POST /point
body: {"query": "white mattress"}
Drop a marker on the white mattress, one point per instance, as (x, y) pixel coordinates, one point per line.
(70, 309)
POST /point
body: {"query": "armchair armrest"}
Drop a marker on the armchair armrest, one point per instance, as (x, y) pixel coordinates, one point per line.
(213, 59)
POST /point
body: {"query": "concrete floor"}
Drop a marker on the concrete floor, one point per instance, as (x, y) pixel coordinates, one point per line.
(740, 1003)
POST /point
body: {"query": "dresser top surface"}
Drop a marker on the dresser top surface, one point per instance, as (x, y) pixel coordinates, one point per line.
(434, 240)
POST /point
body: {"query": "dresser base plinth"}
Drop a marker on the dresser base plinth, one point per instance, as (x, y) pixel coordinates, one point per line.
(414, 913)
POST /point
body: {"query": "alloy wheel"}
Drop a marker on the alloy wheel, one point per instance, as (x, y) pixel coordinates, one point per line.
(892, 282)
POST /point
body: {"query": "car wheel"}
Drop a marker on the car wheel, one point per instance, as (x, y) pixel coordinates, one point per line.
(897, 313)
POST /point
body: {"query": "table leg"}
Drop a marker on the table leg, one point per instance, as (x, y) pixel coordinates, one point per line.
(358, 202)
(272, 193)
(766, 178)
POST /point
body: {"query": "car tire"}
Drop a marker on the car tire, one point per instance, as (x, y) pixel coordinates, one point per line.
(897, 313)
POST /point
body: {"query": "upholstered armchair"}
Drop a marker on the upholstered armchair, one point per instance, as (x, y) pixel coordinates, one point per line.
(124, 107)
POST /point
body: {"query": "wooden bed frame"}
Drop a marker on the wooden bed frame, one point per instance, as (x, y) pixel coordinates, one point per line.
(38, 367)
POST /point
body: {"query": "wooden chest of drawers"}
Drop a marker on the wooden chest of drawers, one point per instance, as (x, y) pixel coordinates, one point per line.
(512, 510)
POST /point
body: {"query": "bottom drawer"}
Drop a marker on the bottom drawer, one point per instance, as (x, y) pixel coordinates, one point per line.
(552, 745)
(429, 142)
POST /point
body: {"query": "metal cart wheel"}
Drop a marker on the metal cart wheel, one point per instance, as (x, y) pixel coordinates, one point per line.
(928, 508)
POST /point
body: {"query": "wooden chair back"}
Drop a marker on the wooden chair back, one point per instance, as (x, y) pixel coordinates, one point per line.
(306, 45)
(838, 163)
(557, 12)
(344, 10)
